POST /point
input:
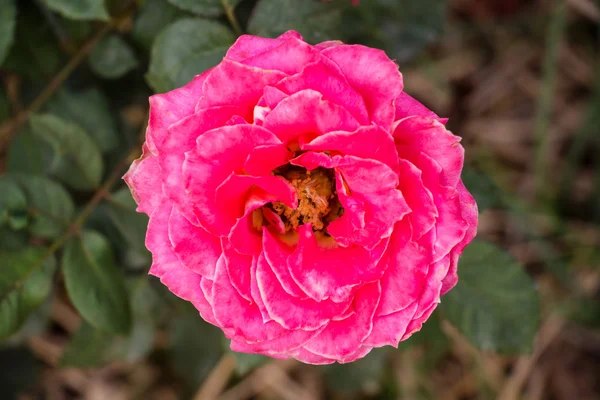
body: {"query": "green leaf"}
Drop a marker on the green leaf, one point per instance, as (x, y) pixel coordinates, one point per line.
(131, 224)
(29, 291)
(13, 204)
(8, 16)
(19, 371)
(205, 8)
(194, 348)
(77, 160)
(245, 363)
(112, 58)
(91, 110)
(28, 153)
(495, 304)
(184, 49)
(35, 53)
(152, 18)
(5, 107)
(79, 9)
(50, 206)
(483, 189)
(355, 376)
(316, 21)
(400, 27)
(91, 347)
(94, 283)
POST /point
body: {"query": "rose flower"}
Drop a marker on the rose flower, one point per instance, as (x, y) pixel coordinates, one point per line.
(302, 201)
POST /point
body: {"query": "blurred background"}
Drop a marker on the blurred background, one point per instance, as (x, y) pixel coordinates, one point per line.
(518, 80)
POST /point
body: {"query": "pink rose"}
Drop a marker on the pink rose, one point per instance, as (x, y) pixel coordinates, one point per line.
(301, 201)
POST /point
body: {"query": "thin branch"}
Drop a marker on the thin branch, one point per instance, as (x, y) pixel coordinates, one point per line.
(10, 127)
(229, 12)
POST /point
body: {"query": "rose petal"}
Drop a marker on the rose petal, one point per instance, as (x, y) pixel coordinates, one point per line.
(291, 312)
(389, 329)
(324, 78)
(340, 339)
(141, 179)
(407, 106)
(374, 75)
(324, 270)
(197, 249)
(306, 113)
(247, 46)
(276, 253)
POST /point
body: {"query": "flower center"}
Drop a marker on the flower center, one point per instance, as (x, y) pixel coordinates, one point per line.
(318, 203)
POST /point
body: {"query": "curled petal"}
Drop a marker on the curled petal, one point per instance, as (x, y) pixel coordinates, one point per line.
(323, 77)
(306, 113)
(232, 82)
(407, 106)
(341, 339)
(426, 135)
(197, 249)
(168, 108)
(291, 312)
(389, 329)
(325, 270)
(374, 75)
(141, 179)
(247, 46)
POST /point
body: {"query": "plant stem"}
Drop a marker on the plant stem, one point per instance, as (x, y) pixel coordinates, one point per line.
(229, 12)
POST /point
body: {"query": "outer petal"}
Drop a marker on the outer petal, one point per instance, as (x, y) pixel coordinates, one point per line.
(407, 106)
(197, 249)
(247, 46)
(426, 135)
(341, 339)
(234, 83)
(291, 312)
(238, 268)
(170, 107)
(244, 321)
(324, 270)
(390, 329)
(165, 265)
(141, 179)
(289, 56)
(374, 75)
(469, 213)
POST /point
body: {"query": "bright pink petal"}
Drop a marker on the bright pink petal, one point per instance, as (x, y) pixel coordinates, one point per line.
(324, 78)
(165, 265)
(406, 273)
(231, 82)
(306, 113)
(389, 329)
(264, 159)
(141, 179)
(197, 249)
(170, 107)
(370, 142)
(289, 56)
(374, 75)
(311, 358)
(420, 200)
(470, 214)
(426, 135)
(325, 270)
(238, 267)
(291, 312)
(341, 339)
(247, 46)
(276, 253)
(407, 106)
(182, 138)
(218, 154)
(416, 324)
